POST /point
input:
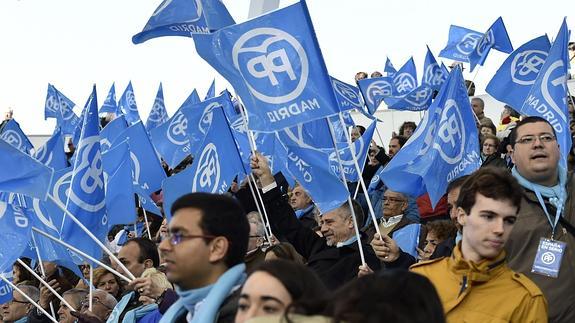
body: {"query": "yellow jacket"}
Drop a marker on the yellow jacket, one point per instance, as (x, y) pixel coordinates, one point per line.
(485, 292)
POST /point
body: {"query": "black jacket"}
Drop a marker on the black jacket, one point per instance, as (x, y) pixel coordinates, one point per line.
(335, 266)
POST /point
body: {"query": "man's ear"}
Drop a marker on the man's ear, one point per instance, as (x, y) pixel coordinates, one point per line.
(461, 216)
(148, 263)
(218, 249)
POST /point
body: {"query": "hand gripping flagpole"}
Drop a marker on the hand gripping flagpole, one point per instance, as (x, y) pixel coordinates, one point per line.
(358, 170)
(43, 282)
(362, 256)
(28, 298)
(81, 253)
(92, 236)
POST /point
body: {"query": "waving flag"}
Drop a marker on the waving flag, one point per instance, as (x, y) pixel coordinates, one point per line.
(547, 97)
(112, 130)
(211, 91)
(86, 195)
(127, 105)
(389, 69)
(23, 174)
(462, 42)
(158, 115)
(495, 37)
(374, 90)
(433, 74)
(405, 79)
(110, 105)
(52, 153)
(193, 98)
(209, 172)
(275, 64)
(15, 229)
(360, 149)
(444, 146)
(313, 135)
(184, 18)
(5, 289)
(348, 96)
(12, 134)
(60, 107)
(512, 82)
(417, 99)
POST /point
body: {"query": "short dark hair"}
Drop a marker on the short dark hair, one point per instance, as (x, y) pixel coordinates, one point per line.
(406, 124)
(360, 128)
(488, 124)
(357, 209)
(492, 137)
(456, 183)
(400, 139)
(491, 182)
(531, 119)
(443, 229)
(221, 216)
(148, 250)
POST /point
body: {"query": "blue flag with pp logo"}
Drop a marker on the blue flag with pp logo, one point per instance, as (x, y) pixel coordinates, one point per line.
(275, 64)
(462, 42)
(86, 195)
(209, 172)
(211, 91)
(184, 18)
(60, 107)
(310, 168)
(5, 289)
(512, 82)
(348, 96)
(171, 138)
(444, 146)
(12, 134)
(52, 153)
(405, 79)
(127, 105)
(15, 230)
(495, 37)
(417, 99)
(433, 74)
(110, 105)
(389, 69)
(374, 90)
(547, 97)
(158, 115)
(112, 131)
(20, 173)
(358, 150)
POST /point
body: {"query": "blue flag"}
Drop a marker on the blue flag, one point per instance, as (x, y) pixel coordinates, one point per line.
(462, 42)
(5, 289)
(184, 18)
(547, 97)
(407, 238)
(405, 79)
(158, 115)
(360, 149)
(275, 64)
(309, 168)
(417, 99)
(389, 69)
(110, 105)
(193, 98)
(495, 37)
(120, 206)
(374, 90)
(86, 195)
(433, 74)
(314, 135)
(512, 82)
(211, 91)
(127, 105)
(347, 96)
(208, 172)
(52, 153)
(15, 232)
(444, 146)
(60, 107)
(22, 174)
(112, 131)
(51, 215)
(12, 134)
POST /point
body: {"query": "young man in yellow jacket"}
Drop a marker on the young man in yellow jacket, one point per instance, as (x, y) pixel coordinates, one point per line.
(475, 284)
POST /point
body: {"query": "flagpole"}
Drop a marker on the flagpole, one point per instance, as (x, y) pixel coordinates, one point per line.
(360, 178)
(91, 288)
(91, 235)
(81, 253)
(353, 216)
(42, 271)
(147, 223)
(28, 298)
(468, 88)
(43, 282)
(266, 227)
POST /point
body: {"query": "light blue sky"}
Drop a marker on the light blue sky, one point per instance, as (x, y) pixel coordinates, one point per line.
(75, 43)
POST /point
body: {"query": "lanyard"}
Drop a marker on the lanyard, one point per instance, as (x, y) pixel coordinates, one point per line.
(557, 214)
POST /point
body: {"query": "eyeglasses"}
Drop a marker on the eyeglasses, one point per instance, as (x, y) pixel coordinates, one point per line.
(86, 303)
(530, 139)
(17, 301)
(176, 238)
(392, 199)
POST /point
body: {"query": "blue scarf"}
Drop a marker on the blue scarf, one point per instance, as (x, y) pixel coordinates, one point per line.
(22, 320)
(300, 213)
(136, 314)
(556, 194)
(211, 298)
(347, 242)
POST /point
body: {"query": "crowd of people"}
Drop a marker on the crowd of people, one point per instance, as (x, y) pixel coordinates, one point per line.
(483, 253)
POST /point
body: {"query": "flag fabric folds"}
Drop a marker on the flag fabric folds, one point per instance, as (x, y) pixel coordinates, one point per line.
(12, 134)
(461, 43)
(158, 115)
(495, 37)
(127, 105)
(52, 153)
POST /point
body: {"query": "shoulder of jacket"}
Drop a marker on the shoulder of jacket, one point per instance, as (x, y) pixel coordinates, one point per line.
(426, 263)
(526, 283)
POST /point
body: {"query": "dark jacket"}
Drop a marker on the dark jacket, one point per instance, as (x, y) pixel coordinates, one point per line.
(494, 161)
(335, 266)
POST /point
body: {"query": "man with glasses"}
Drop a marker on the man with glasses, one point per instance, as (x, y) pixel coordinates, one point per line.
(542, 242)
(102, 305)
(17, 309)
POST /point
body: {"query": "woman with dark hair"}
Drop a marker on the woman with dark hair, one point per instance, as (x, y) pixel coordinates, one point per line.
(276, 286)
(22, 276)
(407, 129)
(489, 154)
